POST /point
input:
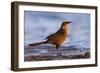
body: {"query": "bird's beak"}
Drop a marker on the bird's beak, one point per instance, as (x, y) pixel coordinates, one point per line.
(68, 22)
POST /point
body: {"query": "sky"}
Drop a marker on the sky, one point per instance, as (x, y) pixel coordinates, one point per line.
(38, 25)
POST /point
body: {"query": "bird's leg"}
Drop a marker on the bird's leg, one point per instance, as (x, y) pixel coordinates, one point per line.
(57, 48)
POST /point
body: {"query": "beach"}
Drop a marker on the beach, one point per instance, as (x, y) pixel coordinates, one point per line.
(47, 52)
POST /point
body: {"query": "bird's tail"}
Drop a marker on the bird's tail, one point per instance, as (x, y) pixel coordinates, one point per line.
(34, 44)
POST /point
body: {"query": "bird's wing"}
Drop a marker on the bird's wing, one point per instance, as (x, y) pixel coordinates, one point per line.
(49, 36)
(53, 34)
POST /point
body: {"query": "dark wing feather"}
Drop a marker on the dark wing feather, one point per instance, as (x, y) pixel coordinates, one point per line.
(53, 34)
(49, 36)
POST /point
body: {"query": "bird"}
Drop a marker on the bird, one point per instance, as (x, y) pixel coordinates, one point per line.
(56, 38)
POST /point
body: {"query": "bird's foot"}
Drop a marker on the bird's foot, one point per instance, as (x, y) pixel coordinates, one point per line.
(58, 52)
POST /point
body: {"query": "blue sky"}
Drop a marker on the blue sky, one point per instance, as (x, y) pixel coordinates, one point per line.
(38, 25)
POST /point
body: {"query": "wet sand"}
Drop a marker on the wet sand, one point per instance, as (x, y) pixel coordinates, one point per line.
(46, 52)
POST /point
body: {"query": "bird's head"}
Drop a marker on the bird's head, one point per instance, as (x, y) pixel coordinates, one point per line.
(64, 24)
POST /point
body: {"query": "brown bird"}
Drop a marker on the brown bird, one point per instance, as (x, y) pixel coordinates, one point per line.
(57, 38)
